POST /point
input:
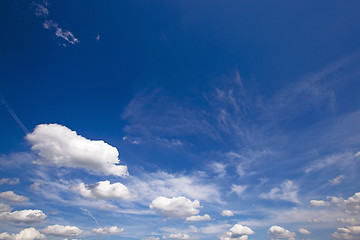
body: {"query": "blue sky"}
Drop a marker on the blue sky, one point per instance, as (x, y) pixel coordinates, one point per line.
(179, 120)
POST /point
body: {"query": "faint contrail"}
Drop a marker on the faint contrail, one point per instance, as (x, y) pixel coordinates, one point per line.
(12, 113)
(89, 213)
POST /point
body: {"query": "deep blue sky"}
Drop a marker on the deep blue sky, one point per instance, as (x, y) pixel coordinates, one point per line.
(248, 106)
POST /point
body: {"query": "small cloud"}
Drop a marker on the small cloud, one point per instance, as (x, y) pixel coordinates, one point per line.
(314, 220)
(304, 231)
(276, 232)
(287, 191)
(238, 189)
(108, 230)
(176, 207)
(238, 231)
(62, 231)
(177, 236)
(41, 9)
(10, 181)
(151, 238)
(198, 218)
(98, 37)
(218, 168)
(336, 180)
(227, 213)
(352, 232)
(319, 203)
(12, 197)
(348, 221)
(357, 154)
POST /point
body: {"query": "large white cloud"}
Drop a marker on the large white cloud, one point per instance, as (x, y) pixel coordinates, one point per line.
(23, 216)
(12, 197)
(276, 232)
(58, 145)
(177, 236)
(286, 191)
(108, 230)
(237, 232)
(198, 218)
(352, 232)
(176, 207)
(62, 231)
(103, 190)
(25, 234)
(350, 205)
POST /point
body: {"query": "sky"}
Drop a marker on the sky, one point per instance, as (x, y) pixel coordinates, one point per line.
(149, 120)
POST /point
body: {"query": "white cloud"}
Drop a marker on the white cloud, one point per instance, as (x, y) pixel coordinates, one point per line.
(336, 180)
(319, 203)
(286, 191)
(218, 168)
(177, 236)
(23, 216)
(5, 208)
(108, 230)
(41, 9)
(12, 197)
(58, 145)
(66, 35)
(340, 158)
(357, 154)
(198, 218)
(237, 232)
(11, 181)
(348, 221)
(176, 207)
(238, 189)
(314, 220)
(276, 232)
(350, 205)
(227, 213)
(352, 232)
(151, 238)
(103, 190)
(304, 231)
(25, 234)
(62, 231)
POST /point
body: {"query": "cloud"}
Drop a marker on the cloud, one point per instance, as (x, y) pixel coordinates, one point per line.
(10, 181)
(41, 9)
(12, 197)
(58, 145)
(336, 180)
(218, 168)
(237, 232)
(25, 234)
(103, 190)
(151, 238)
(108, 230)
(177, 236)
(198, 218)
(348, 221)
(238, 189)
(176, 207)
(314, 220)
(227, 213)
(319, 203)
(62, 231)
(349, 206)
(304, 231)
(339, 158)
(352, 232)
(276, 232)
(23, 216)
(287, 191)
(5, 208)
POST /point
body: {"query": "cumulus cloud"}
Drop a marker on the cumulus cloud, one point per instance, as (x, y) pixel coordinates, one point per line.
(12, 197)
(62, 231)
(23, 216)
(304, 231)
(237, 232)
(177, 236)
(103, 190)
(337, 180)
(276, 232)
(176, 207)
(352, 232)
(227, 213)
(286, 191)
(198, 218)
(58, 145)
(348, 221)
(349, 206)
(10, 181)
(238, 189)
(25, 234)
(108, 230)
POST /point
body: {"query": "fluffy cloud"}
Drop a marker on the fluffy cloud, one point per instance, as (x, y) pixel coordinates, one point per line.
(304, 231)
(336, 180)
(348, 221)
(103, 190)
(177, 236)
(11, 181)
(352, 232)
(286, 191)
(176, 207)
(276, 232)
(237, 232)
(25, 234)
(12, 197)
(23, 216)
(108, 230)
(62, 231)
(350, 205)
(58, 145)
(227, 213)
(198, 218)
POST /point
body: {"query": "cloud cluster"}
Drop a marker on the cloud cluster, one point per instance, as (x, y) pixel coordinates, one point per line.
(12, 197)
(103, 190)
(287, 191)
(108, 230)
(58, 145)
(352, 232)
(10, 181)
(350, 205)
(23, 216)
(276, 232)
(25, 234)
(237, 232)
(176, 207)
(62, 231)
(198, 218)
